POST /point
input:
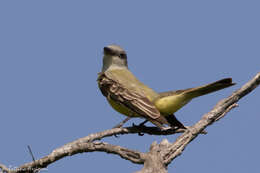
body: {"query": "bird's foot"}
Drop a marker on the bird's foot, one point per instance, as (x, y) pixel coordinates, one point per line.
(140, 126)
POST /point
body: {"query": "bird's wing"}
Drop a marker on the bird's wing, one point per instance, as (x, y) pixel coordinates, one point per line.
(133, 100)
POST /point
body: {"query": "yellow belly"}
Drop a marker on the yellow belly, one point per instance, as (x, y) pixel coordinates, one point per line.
(122, 109)
(169, 105)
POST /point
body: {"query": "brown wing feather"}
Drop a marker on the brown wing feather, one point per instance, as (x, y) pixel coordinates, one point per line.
(137, 102)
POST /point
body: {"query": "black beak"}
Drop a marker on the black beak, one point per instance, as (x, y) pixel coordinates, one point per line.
(107, 50)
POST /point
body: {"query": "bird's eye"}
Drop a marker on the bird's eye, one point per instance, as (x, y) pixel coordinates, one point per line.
(121, 55)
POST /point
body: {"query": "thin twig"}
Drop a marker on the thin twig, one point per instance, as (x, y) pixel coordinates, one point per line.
(30, 151)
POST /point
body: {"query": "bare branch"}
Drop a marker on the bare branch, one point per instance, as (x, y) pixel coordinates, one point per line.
(159, 155)
(128, 130)
(86, 144)
(218, 112)
(69, 150)
(148, 130)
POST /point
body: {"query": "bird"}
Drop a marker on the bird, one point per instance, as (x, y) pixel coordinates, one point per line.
(132, 98)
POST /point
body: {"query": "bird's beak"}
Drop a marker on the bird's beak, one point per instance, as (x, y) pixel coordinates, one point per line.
(107, 50)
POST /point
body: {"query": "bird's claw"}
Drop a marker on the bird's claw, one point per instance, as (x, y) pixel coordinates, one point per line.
(138, 126)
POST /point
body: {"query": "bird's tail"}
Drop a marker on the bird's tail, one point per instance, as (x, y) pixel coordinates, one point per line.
(212, 87)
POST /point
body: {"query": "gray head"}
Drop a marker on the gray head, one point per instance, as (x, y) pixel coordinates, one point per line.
(114, 57)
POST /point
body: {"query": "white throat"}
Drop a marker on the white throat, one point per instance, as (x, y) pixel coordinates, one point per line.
(109, 64)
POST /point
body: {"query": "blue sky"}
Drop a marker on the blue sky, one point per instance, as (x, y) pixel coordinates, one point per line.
(51, 52)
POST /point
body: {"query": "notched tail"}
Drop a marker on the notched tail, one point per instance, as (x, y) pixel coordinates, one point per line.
(212, 87)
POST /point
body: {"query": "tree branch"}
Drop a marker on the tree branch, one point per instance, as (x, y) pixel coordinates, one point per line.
(69, 150)
(159, 156)
(86, 144)
(127, 130)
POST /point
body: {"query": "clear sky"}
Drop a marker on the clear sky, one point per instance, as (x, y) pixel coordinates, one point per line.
(51, 52)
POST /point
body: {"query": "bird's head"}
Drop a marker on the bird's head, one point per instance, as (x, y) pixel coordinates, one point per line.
(114, 57)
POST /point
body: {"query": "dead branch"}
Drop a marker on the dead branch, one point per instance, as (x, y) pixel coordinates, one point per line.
(86, 144)
(159, 156)
(76, 148)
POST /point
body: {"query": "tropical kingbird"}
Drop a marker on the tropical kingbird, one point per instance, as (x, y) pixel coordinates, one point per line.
(130, 97)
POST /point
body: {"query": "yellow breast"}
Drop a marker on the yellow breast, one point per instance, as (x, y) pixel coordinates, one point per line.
(122, 109)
